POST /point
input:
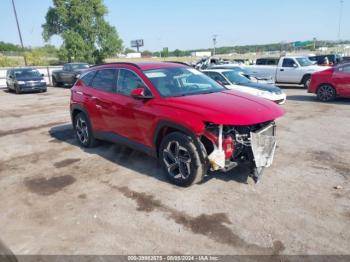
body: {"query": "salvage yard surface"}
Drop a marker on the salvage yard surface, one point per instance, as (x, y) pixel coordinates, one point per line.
(57, 198)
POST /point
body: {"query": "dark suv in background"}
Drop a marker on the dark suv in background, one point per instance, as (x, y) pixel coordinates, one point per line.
(68, 75)
(25, 80)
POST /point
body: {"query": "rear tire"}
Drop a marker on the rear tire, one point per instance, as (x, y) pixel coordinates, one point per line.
(180, 160)
(83, 131)
(326, 93)
(306, 81)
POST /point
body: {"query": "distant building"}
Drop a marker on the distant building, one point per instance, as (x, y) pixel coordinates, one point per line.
(133, 55)
(201, 53)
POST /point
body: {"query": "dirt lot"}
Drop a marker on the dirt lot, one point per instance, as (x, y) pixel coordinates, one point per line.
(57, 198)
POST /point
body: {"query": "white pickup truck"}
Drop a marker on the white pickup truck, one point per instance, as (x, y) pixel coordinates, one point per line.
(289, 70)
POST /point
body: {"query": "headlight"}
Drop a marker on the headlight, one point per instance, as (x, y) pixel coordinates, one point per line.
(264, 93)
(21, 82)
(42, 81)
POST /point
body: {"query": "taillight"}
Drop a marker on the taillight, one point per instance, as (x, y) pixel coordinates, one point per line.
(228, 147)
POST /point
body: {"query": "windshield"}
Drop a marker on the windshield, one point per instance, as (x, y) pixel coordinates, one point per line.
(235, 78)
(79, 66)
(22, 73)
(304, 61)
(181, 82)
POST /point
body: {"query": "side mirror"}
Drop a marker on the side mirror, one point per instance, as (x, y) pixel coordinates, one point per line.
(295, 65)
(139, 93)
(42, 75)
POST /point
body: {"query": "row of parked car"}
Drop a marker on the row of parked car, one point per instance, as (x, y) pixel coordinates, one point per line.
(326, 81)
(189, 119)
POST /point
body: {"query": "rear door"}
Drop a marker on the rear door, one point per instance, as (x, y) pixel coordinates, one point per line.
(99, 98)
(341, 78)
(66, 74)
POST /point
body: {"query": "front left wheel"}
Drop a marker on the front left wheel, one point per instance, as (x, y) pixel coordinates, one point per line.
(180, 160)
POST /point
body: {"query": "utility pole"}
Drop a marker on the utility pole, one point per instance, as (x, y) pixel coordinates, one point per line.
(19, 30)
(214, 43)
(340, 18)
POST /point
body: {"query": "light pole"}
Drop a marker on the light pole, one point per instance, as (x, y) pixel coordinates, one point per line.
(214, 43)
(19, 30)
(340, 18)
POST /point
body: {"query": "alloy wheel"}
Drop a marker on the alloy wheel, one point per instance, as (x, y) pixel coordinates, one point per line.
(326, 93)
(177, 160)
(82, 130)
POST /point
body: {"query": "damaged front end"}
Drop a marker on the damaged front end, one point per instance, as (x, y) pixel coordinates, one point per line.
(228, 146)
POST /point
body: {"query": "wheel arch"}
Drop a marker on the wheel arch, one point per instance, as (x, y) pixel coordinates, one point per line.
(304, 77)
(166, 127)
(76, 109)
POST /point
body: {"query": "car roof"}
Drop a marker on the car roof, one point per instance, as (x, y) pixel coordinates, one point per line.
(146, 65)
(217, 70)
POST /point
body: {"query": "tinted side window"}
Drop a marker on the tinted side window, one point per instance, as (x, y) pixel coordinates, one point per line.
(217, 77)
(261, 62)
(344, 69)
(104, 80)
(272, 62)
(128, 81)
(287, 62)
(86, 78)
(66, 67)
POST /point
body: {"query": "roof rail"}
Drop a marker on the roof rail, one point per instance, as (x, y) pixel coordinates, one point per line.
(118, 63)
(176, 62)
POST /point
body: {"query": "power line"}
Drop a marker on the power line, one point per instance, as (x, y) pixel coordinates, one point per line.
(19, 30)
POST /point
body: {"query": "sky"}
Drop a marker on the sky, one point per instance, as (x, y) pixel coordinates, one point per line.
(190, 24)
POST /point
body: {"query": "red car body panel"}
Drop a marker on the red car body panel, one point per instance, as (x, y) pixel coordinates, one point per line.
(339, 80)
(137, 119)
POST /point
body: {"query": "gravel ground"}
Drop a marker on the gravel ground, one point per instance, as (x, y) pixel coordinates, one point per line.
(57, 198)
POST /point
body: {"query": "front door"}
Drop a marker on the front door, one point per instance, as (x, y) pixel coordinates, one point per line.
(134, 117)
(289, 72)
(341, 78)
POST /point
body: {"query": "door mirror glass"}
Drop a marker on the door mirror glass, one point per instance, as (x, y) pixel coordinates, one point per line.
(139, 93)
(295, 65)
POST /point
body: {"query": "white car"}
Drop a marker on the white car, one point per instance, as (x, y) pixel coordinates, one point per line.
(235, 81)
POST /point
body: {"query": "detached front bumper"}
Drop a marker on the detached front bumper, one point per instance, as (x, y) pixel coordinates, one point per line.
(263, 144)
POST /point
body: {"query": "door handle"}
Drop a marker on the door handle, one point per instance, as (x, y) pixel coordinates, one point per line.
(281, 70)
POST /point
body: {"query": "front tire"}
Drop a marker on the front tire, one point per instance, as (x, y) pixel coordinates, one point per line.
(326, 93)
(55, 83)
(180, 160)
(17, 90)
(83, 131)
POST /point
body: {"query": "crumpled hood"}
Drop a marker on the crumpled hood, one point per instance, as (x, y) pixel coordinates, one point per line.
(227, 107)
(263, 87)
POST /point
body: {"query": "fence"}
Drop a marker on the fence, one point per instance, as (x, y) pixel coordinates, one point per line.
(46, 70)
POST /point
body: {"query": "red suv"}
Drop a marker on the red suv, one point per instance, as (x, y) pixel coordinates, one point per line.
(176, 113)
